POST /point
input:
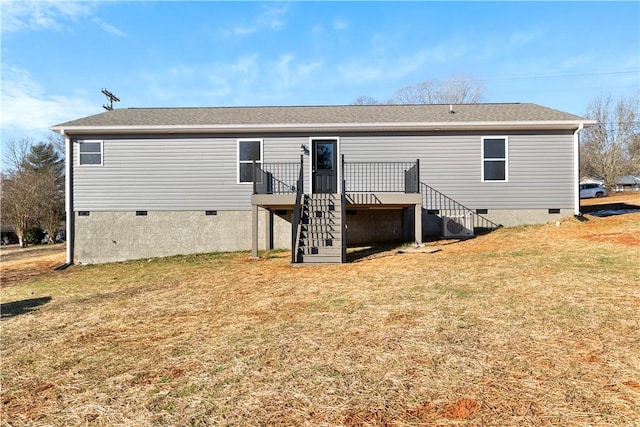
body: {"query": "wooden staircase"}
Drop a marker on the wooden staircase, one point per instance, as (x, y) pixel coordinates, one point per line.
(320, 237)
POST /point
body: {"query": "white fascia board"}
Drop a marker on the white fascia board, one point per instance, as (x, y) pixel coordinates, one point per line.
(328, 127)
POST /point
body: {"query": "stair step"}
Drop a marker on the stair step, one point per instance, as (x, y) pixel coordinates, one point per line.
(321, 259)
(329, 204)
(315, 217)
(333, 251)
(319, 226)
(323, 214)
(315, 227)
(320, 240)
(320, 233)
(320, 243)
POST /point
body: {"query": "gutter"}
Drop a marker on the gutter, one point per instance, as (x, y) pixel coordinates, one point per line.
(320, 127)
(576, 169)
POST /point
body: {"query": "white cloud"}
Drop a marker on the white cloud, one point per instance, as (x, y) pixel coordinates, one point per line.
(27, 109)
(340, 24)
(289, 74)
(386, 65)
(272, 17)
(520, 39)
(244, 80)
(360, 72)
(108, 27)
(39, 15)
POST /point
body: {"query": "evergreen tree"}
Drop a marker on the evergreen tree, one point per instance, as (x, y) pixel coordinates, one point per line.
(46, 163)
(44, 157)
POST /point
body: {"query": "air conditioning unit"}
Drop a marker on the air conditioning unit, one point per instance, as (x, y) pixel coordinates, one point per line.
(458, 226)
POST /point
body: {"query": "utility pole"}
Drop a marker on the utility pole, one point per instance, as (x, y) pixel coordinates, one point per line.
(110, 97)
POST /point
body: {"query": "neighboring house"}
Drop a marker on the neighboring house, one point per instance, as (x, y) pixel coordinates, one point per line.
(592, 181)
(7, 234)
(627, 183)
(147, 182)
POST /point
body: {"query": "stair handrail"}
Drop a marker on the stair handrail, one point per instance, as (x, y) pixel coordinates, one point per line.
(452, 205)
(297, 213)
(343, 213)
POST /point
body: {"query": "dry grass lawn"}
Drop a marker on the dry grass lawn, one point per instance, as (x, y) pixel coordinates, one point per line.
(526, 326)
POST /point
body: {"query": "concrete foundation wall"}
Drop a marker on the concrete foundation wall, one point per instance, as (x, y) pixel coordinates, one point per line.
(432, 224)
(511, 218)
(119, 236)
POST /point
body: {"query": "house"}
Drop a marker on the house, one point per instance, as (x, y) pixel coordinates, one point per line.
(627, 183)
(147, 182)
(590, 180)
(7, 234)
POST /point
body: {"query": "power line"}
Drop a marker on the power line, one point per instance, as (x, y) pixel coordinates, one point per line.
(561, 76)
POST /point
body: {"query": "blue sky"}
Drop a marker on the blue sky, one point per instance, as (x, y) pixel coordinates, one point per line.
(57, 56)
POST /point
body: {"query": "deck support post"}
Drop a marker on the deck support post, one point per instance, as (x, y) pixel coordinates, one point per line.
(417, 219)
(254, 231)
(269, 230)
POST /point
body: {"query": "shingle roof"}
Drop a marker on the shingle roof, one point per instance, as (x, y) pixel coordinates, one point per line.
(629, 180)
(301, 116)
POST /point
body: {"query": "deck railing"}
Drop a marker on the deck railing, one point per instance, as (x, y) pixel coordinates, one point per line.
(357, 177)
(276, 178)
(384, 177)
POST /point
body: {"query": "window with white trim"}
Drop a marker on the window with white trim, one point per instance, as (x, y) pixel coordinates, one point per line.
(495, 158)
(249, 151)
(90, 153)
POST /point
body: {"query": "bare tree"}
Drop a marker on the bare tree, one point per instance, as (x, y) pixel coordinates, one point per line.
(20, 201)
(367, 100)
(634, 154)
(455, 90)
(50, 206)
(15, 152)
(33, 186)
(608, 149)
(57, 141)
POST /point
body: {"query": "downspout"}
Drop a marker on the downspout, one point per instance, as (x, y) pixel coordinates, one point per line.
(68, 202)
(576, 169)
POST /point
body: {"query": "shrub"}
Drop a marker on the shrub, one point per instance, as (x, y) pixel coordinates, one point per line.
(34, 236)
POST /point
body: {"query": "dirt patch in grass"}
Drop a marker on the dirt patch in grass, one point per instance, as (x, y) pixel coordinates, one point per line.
(460, 410)
(628, 238)
(533, 325)
(18, 265)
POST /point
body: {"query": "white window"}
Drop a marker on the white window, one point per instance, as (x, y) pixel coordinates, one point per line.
(90, 153)
(495, 165)
(249, 151)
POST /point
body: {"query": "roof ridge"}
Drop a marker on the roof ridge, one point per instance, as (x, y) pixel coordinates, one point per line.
(325, 106)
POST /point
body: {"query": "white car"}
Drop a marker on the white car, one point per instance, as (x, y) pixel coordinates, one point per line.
(588, 191)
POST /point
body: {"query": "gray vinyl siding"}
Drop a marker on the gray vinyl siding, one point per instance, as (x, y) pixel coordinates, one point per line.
(162, 174)
(540, 167)
(200, 172)
(181, 173)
